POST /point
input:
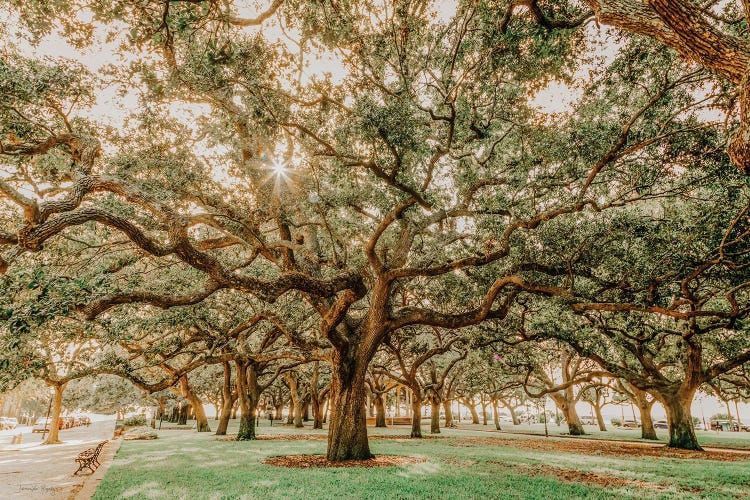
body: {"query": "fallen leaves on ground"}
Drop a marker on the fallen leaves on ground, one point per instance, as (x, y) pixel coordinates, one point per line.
(592, 478)
(310, 461)
(594, 447)
(312, 437)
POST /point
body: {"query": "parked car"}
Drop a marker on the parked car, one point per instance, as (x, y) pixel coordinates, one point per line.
(85, 421)
(725, 425)
(588, 420)
(631, 424)
(661, 424)
(42, 425)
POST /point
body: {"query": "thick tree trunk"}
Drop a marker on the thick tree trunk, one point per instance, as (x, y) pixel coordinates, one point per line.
(495, 415)
(448, 414)
(182, 417)
(513, 414)
(317, 410)
(416, 416)
(227, 401)
(162, 409)
(644, 404)
(315, 399)
(248, 410)
(647, 423)
(681, 430)
(397, 402)
(295, 413)
(729, 414)
(305, 412)
(248, 394)
(201, 421)
(739, 144)
(380, 410)
(247, 427)
(474, 415)
(279, 411)
(298, 415)
(575, 427)
(347, 435)
(435, 417)
(484, 413)
(224, 416)
(600, 418)
(54, 425)
(737, 411)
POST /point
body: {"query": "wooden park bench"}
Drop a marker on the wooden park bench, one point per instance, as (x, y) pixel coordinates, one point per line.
(89, 458)
(391, 420)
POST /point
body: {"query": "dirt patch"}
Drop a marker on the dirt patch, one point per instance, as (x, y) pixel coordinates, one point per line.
(594, 447)
(279, 437)
(407, 438)
(313, 437)
(577, 476)
(312, 461)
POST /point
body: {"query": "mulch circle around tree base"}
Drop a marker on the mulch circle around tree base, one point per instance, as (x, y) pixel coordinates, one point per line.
(313, 461)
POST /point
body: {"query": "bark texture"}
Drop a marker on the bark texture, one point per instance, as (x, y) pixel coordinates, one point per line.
(201, 420)
(416, 416)
(681, 430)
(448, 414)
(684, 27)
(54, 426)
(379, 410)
(435, 417)
(347, 434)
(227, 401)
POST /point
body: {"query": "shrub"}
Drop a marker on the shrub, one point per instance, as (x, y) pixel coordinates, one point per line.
(135, 420)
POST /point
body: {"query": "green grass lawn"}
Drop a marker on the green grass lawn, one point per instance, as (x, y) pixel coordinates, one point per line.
(185, 464)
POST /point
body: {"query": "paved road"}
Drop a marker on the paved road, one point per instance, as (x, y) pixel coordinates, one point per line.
(7, 435)
(34, 471)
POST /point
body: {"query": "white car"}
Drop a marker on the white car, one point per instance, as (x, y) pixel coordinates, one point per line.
(8, 423)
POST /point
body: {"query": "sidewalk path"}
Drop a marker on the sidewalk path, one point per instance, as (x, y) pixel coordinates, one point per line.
(36, 472)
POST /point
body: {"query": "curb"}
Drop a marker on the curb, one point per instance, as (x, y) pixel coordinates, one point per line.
(86, 490)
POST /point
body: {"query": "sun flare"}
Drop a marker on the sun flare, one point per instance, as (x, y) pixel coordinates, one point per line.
(279, 168)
